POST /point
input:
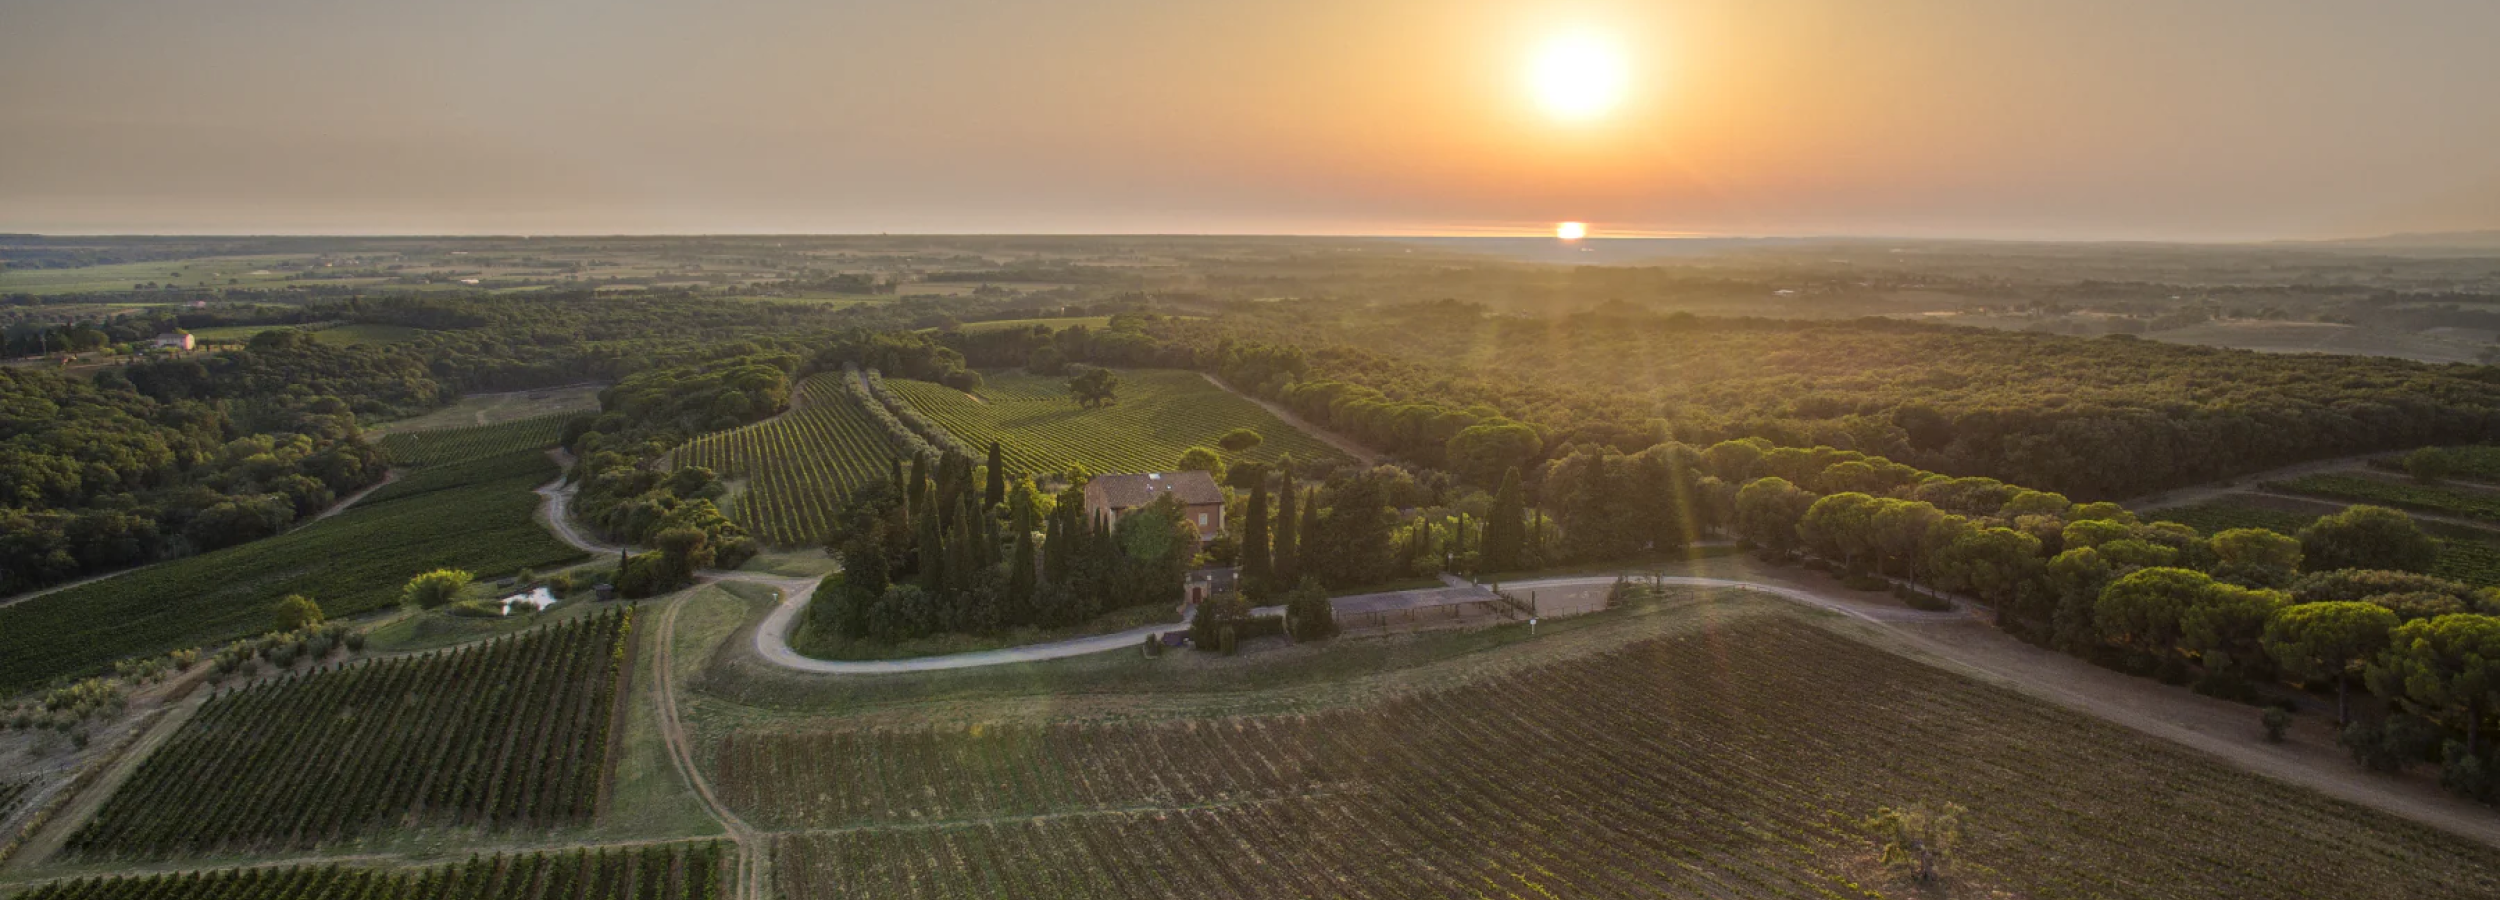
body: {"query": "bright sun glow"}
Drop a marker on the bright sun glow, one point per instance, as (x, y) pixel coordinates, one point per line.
(1578, 76)
(1571, 231)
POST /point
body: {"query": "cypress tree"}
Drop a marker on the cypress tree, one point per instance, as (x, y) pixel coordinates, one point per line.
(1310, 557)
(897, 466)
(1285, 561)
(1502, 530)
(1020, 575)
(997, 493)
(919, 477)
(1055, 545)
(1254, 548)
(930, 541)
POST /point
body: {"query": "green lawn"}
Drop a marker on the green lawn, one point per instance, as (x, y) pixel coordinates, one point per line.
(1160, 413)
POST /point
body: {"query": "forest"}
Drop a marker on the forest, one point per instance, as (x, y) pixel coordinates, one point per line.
(2098, 418)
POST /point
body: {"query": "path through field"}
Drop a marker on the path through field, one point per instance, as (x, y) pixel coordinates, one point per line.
(1344, 444)
(750, 876)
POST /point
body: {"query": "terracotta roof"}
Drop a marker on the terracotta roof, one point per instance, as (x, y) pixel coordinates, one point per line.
(1132, 491)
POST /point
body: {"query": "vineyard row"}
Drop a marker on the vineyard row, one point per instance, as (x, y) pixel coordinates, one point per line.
(513, 733)
(1733, 763)
(799, 467)
(655, 872)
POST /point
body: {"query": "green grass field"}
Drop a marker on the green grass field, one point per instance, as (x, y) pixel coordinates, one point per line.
(1160, 413)
(469, 513)
(799, 466)
(232, 334)
(453, 445)
(1731, 755)
(495, 409)
(204, 272)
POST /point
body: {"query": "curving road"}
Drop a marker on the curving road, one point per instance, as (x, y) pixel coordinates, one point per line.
(772, 636)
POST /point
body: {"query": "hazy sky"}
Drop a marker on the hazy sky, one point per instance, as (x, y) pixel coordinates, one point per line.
(2195, 119)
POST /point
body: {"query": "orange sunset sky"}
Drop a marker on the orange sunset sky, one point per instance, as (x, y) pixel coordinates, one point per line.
(2207, 120)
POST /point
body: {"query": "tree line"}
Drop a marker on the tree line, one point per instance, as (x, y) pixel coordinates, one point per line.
(949, 546)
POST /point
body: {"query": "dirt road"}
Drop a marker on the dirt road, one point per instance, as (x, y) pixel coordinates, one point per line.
(1343, 444)
(752, 850)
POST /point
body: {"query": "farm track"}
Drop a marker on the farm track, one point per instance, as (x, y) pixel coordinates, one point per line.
(750, 876)
(1344, 444)
(2245, 484)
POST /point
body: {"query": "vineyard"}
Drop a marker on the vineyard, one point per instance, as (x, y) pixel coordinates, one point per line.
(654, 872)
(2474, 461)
(475, 514)
(2460, 502)
(418, 448)
(800, 466)
(2215, 516)
(512, 733)
(1729, 761)
(1160, 413)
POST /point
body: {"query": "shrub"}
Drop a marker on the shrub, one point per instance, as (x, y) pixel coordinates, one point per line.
(1226, 640)
(2429, 464)
(2276, 721)
(1927, 602)
(476, 609)
(436, 588)
(296, 611)
(2464, 774)
(1239, 439)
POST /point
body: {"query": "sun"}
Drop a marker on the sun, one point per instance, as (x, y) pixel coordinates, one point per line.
(1571, 231)
(1578, 76)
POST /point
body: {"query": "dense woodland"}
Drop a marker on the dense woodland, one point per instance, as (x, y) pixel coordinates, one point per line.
(2098, 418)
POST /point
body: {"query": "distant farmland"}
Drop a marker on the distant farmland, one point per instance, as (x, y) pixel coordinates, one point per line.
(1160, 414)
(1733, 760)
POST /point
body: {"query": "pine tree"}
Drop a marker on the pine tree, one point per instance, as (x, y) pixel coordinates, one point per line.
(1254, 546)
(997, 493)
(1284, 563)
(1502, 530)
